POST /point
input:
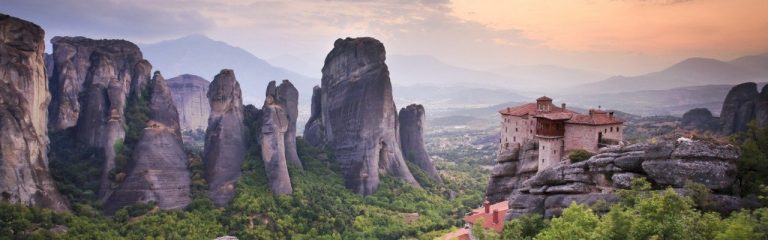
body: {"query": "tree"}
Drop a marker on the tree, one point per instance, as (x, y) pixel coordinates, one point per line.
(578, 222)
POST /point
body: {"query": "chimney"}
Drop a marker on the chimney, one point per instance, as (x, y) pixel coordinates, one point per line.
(610, 114)
(495, 216)
(562, 106)
(487, 206)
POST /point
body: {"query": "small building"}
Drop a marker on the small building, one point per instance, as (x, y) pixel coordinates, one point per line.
(491, 216)
(557, 130)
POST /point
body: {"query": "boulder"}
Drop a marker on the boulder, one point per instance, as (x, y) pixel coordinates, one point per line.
(225, 139)
(700, 119)
(24, 97)
(716, 175)
(412, 123)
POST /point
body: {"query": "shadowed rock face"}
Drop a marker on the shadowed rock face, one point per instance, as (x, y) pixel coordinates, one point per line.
(513, 167)
(225, 137)
(314, 131)
(358, 118)
(287, 97)
(412, 121)
(665, 164)
(158, 170)
(24, 175)
(761, 108)
(90, 84)
(189, 96)
(700, 119)
(739, 108)
(273, 130)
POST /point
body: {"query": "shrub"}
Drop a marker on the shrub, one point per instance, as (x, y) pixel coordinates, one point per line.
(579, 155)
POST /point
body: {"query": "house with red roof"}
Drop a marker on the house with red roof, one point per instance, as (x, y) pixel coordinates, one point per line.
(491, 216)
(557, 130)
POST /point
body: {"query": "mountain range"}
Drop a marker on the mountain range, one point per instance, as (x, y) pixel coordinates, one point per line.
(202, 56)
(689, 72)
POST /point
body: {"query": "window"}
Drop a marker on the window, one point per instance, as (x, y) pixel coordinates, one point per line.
(515, 129)
(514, 139)
(617, 129)
(542, 148)
(554, 151)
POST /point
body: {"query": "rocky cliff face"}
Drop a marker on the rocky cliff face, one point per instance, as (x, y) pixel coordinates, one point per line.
(665, 164)
(225, 137)
(700, 119)
(189, 96)
(739, 108)
(412, 123)
(286, 96)
(358, 118)
(513, 167)
(314, 131)
(273, 130)
(24, 175)
(90, 84)
(158, 170)
(761, 107)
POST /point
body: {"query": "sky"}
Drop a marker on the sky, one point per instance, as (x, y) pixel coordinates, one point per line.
(619, 37)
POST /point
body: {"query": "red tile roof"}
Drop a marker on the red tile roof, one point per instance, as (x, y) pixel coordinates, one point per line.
(479, 213)
(460, 234)
(530, 109)
(556, 115)
(595, 117)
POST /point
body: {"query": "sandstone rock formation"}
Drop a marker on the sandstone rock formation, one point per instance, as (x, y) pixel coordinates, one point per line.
(314, 131)
(287, 97)
(189, 96)
(90, 84)
(412, 122)
(273, 130)
(700, 119)
(358, 118)
(739, 108)
(664, 164)
(512, 168)
(225, 137)
(158, 170)
(24, 98)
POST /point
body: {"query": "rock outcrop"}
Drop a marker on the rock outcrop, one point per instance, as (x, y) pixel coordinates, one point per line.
(24, 98)
(513, 167)
(412, 123)
(739, 108)
(700, 119)
(158, 170)
(664, 164)
(761, 108)
(90, 84)
(314, 131)
(225, 137)
(286, 96)
(189, 96)
(274, 125)
(358, 117)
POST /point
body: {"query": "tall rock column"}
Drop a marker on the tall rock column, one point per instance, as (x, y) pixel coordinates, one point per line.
(189, 96)
(24, 98)
(739, 108)
(225, 137)
(90, 84)
(158, 170)
(412, 122)
(358, 115)
(273, 130)
(287, 97)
